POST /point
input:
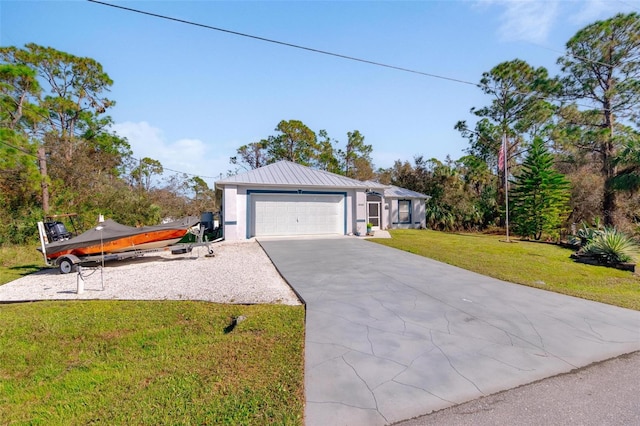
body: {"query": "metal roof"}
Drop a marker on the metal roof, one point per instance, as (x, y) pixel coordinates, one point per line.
(286, 173)
(397, 192)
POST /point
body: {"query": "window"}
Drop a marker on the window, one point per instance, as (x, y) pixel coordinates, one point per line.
(404, 211)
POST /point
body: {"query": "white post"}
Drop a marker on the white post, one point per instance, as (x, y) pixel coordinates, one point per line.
(79, 281)
(100, 228)
(43, 242)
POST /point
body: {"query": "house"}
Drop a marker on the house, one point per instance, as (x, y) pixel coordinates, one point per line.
(286, 198)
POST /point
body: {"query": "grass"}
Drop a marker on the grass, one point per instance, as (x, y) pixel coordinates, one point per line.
(165, 362)
(533, 264)
(18, 261)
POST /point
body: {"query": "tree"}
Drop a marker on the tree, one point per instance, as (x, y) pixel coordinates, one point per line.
(143, 173)
(363, 169)
(462, 193)
(68, 107)
(540, 195)
(19, 188)
(296, 142)
(601, 70)
(456, 194)
(405, 175)
(628, 162)
(356, 158)
(57, 152)
(627, 183)
(18, 87)
(327, 159)
(203, 198)
(518, 111)
(74, 89)
(252, 156)
(481, 189)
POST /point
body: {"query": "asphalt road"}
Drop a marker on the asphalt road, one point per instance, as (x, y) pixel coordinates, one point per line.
(602, 394)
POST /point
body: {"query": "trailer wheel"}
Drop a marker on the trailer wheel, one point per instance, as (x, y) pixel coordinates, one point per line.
(66, 266)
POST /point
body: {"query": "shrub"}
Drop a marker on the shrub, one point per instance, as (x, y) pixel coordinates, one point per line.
(586, 234)
(611, 246)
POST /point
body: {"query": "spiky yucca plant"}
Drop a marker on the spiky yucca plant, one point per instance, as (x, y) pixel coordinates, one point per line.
(612, 246)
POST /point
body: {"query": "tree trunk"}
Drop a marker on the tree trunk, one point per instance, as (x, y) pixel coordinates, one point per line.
(608, 166)
(42, 165)
(609, 203)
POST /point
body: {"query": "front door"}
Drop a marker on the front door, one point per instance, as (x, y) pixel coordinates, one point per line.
(373, 214)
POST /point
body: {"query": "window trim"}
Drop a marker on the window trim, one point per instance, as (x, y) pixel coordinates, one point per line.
(408, 202)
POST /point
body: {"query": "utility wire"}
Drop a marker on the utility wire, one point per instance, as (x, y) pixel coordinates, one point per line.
(296, 46)
(628, 4)
(58, 126)
(178, 171)
(24, 151)
(324, 52)
(282, 43)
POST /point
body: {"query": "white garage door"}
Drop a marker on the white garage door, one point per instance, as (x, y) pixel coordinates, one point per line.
(297, 214)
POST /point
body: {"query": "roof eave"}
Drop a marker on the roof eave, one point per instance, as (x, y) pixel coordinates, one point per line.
(293, 185)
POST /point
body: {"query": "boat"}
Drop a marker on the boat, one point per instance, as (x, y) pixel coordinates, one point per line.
(112, 237)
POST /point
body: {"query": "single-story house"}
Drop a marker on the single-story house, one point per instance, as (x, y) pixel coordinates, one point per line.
(286, 198)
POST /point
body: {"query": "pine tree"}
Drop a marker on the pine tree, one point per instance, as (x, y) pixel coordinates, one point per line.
(539, 200)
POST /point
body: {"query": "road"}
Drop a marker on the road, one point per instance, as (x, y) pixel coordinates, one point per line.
(603, 394)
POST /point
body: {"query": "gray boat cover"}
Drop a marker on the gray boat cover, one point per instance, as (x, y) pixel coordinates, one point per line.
(110, 230)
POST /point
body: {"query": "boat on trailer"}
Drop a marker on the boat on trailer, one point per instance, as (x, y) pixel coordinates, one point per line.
(113, 241)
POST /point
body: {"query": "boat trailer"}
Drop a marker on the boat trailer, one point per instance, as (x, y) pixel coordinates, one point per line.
(69, 262)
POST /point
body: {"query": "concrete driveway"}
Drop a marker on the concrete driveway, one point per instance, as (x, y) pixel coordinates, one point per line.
(391, 335)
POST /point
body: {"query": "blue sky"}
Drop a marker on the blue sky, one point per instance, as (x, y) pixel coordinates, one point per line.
(189, 96)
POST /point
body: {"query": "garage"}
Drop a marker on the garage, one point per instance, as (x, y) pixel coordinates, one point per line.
(285, 198)
(297, 214)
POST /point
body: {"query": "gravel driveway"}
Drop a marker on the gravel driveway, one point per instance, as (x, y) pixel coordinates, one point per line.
(239, 273)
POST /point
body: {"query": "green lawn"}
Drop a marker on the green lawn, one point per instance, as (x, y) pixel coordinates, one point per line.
(18, 261)
(533, 264)
(165, 362)
(168, 362)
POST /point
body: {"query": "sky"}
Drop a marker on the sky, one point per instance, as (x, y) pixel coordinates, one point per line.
(189, 96)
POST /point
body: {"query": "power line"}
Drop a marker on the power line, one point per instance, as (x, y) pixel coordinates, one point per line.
(58, 126)
(628, 4)
(178, 171)
(24, 151)
(282, 43)
(324, 52)
(578, 57)
(296, 46)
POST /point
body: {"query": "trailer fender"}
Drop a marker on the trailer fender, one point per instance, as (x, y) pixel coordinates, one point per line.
(67, 263)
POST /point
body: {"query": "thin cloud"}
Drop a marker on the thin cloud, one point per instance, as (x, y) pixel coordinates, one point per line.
(533, 20)
(527, 20)
(593, 10)
(186, 155)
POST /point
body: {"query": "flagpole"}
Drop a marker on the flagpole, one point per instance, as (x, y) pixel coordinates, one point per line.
(505, 168)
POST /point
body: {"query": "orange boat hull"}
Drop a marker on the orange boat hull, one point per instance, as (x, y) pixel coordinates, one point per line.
(129, 243)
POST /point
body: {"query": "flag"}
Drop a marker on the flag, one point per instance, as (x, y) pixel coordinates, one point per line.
(501, 156)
